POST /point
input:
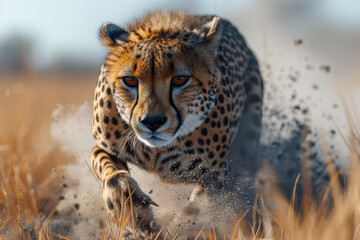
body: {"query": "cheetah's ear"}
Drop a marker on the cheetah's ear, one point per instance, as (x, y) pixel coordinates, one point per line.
(212, 30)
(208, 35)
(112, 35)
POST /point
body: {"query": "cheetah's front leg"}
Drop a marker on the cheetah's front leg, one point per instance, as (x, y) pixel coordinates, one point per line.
(122, 196)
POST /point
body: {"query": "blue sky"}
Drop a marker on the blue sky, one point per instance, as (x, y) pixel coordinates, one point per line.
(62, 27)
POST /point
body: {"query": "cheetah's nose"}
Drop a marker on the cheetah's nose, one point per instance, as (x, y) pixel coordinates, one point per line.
(153, 122)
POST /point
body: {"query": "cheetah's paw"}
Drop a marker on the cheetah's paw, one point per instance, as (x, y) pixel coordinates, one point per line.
(125, 201)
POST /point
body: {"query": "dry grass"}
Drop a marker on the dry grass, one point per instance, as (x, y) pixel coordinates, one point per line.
(337, 213)
(31, 168)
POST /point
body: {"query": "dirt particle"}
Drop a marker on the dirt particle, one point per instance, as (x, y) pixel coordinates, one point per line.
(325, 68)
(297, 41)
(315, 87)
(77, 206)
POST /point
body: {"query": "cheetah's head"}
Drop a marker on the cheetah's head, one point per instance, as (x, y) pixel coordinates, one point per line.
(164, 79)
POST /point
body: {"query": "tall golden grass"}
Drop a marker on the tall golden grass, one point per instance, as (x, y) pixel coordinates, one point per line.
(29, 186)
(336, 215)
(31, 167)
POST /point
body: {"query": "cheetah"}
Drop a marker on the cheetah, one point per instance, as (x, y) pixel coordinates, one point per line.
(174, 92)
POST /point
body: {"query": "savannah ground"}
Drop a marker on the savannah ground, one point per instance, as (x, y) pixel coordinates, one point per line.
(32, 178)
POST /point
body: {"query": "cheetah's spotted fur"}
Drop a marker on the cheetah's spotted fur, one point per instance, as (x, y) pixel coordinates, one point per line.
(203, 117)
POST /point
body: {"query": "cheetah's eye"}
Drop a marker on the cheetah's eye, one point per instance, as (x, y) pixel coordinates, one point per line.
(179, 81)
(130, 81)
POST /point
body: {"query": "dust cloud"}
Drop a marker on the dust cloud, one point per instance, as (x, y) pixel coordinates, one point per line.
(81, 211)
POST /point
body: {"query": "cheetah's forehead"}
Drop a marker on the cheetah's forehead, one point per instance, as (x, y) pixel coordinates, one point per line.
(148, 61)
(167, 24)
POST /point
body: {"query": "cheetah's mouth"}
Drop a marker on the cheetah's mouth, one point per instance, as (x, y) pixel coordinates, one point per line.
(155, 139)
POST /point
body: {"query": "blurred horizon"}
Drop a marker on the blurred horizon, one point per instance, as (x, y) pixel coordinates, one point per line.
(62, 35)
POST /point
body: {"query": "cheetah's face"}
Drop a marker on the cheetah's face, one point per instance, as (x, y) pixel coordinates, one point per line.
(163, 87)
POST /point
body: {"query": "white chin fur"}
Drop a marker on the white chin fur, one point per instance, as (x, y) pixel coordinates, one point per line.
(156, 142)
(160, 140)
